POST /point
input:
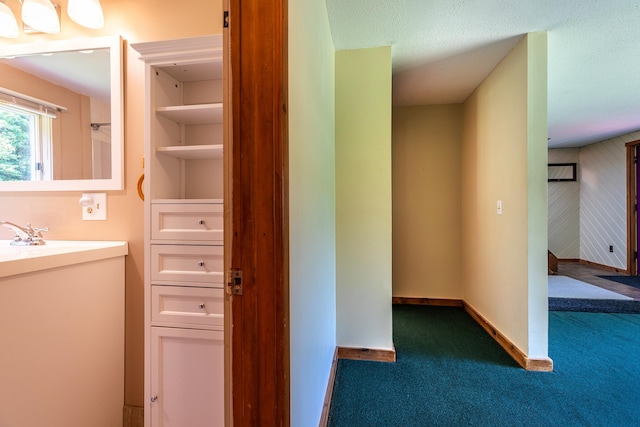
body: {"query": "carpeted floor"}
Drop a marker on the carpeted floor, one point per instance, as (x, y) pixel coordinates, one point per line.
(595, 305)
(450, 372)
(625, 280)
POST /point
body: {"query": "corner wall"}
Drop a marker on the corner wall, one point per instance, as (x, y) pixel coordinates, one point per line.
(363, 198)
(312, 221)
(426, 201)
(504, 157)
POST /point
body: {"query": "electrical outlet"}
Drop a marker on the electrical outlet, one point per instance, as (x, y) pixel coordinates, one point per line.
(610, 248)
(94, 206)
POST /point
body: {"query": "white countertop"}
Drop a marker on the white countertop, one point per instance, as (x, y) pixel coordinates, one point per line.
(55, 253)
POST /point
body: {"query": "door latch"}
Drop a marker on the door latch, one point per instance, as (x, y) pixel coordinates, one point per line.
(234, 282)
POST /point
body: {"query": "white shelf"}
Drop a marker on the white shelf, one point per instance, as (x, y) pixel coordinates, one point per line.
(187, 201)
(188, 152)
(200, 114)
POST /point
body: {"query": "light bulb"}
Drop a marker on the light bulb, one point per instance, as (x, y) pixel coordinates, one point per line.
(87, 13)
(8, 23)
(41, 16)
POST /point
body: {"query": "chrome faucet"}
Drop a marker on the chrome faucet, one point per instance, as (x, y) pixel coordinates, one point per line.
(25, 236)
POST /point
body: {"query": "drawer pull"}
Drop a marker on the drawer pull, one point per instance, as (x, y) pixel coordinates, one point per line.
(200, 263)
(201, 221)
(202, 306)
(154, 399)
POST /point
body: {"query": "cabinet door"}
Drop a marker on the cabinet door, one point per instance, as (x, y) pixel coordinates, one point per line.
(187, 377)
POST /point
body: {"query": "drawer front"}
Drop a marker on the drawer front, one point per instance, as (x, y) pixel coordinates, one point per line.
(187, 264)
(195, 222)
(187, 306)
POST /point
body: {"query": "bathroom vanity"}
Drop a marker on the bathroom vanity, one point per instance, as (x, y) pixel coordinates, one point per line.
(62, 334)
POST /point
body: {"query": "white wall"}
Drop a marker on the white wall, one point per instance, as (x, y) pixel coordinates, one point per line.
(603, 201)
(363, 198)
(564, 208)
(312, 251)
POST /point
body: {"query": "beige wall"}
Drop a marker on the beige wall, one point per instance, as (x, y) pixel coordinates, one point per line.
(136, 21)
(426, 201)
(504, 158)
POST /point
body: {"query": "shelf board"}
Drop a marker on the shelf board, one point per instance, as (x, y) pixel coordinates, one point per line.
(192, 151)
(187, 201)
(193, 114)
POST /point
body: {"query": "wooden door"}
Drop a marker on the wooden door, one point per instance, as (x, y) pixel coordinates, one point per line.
(633, 219)
(257, 220)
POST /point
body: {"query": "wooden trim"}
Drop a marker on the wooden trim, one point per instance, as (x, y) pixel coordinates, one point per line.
(132, 416)
(439, 302)
(374, 355)
(568, 260)
(631, 211)
(605, 267)
(542, 365)
(260, 333)
(552, 262)
(632, 143)
(326, 406)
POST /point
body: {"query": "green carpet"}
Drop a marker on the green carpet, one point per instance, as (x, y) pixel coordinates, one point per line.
(449, 372)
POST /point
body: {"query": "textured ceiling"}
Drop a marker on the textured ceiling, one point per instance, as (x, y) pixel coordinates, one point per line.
(443, 49)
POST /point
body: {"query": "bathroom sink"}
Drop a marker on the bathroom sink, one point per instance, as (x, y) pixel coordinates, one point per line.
(55, 253)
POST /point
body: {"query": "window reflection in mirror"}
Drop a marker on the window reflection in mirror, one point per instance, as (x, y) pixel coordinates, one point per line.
(25, 143)
(60, 115)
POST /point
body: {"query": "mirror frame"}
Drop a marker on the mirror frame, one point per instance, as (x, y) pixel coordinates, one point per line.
(116, 182)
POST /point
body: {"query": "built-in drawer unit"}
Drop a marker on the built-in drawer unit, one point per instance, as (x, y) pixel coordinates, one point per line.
(187, 265)
(187, 222)
(187, 306)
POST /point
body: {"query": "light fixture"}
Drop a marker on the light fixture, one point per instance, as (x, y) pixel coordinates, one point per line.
(41, 16)
(8, 23)
(87, 13)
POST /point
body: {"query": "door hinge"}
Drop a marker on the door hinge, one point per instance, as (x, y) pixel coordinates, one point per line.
(635, 255)
(234, 282)
(225, 19)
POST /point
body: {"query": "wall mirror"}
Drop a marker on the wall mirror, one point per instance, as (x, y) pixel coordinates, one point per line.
(61, 115)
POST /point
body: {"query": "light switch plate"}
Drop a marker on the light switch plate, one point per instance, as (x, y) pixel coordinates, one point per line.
(96, 211)
(499, 207)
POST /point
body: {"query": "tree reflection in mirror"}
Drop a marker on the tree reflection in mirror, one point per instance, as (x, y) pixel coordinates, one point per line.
(25, 144)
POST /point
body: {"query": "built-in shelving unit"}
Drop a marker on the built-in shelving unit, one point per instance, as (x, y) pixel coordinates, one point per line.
(183, 187)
